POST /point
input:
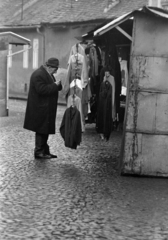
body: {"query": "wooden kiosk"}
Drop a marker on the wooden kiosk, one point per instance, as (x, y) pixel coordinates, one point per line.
(145, 136)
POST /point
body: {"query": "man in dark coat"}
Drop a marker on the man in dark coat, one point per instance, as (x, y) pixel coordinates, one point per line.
(42, 106)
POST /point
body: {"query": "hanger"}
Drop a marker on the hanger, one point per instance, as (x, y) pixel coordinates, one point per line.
(73, 100)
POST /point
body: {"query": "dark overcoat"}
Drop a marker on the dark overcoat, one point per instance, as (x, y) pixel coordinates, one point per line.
(104, 113)
(42, 103)
(70, 128)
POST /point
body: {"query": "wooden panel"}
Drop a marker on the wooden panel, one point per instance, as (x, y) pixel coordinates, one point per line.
(145, 143)
(142, 117)
(148, 157)
(162, 112)
(151, 35)
(132, 149)
(151, 72)
(150, 113)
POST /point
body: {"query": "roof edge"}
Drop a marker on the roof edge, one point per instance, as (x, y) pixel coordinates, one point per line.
(45, 24)
(97, 20)
(3, 27)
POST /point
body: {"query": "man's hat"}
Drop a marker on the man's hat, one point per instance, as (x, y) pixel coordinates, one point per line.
(52, 62)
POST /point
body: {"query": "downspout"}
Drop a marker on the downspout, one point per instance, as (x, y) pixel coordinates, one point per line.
(7, 87)
(43, 35)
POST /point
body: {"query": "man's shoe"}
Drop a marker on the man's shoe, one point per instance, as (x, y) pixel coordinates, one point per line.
(52, 155)
(42, 156)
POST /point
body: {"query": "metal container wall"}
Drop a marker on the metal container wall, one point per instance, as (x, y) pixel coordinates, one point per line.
(145, 146)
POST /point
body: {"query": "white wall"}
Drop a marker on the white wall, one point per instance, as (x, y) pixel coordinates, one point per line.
(155, 3)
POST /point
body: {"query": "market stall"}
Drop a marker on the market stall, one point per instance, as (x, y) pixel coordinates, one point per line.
(145, 136)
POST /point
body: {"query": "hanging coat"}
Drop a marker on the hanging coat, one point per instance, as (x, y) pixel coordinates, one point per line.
(70, 128)
(104, 114)
(111, 80)
(42, 103)
(77, 69)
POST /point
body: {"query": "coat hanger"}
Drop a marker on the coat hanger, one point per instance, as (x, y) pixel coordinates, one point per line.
(73, 100)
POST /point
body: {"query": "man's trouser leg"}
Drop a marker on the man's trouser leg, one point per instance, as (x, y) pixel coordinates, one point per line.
(41, 146)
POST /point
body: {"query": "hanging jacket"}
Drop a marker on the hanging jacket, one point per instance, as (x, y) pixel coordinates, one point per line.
(77, 69)
(93, 61)
(77, 102)
(80, 49)
(111, 80)
(104, 114)
(70, 128)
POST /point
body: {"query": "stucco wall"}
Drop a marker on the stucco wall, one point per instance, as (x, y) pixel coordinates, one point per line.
(19, 77)
(58, 43)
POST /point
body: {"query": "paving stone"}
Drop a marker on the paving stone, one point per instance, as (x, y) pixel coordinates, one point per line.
(79, 195)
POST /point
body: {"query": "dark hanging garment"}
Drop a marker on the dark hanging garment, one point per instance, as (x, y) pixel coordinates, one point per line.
(111, 60)
(104, 115)
(70, 128)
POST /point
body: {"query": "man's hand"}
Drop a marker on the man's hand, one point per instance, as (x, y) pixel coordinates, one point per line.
(58, 82)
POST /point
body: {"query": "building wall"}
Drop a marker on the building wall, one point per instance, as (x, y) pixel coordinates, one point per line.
(19, 74)
(164, 4)
(58, 43)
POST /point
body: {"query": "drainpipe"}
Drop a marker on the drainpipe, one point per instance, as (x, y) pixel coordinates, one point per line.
(43, 35)
(7, 87)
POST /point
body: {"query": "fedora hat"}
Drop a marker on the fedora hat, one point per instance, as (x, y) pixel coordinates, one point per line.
(53, 62)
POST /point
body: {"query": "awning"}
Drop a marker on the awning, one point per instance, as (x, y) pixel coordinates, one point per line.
(90, 34)
(114, 23)
(13, 38)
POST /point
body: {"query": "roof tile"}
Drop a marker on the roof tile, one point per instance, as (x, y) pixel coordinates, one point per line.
(62, 11)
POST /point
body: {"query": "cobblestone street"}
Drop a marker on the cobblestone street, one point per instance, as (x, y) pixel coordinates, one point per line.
(79, 195)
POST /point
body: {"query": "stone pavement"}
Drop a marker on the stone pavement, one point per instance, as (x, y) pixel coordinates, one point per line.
(80, 195)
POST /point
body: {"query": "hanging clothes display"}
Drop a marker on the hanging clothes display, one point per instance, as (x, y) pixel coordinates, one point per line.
(104, 114)
(93, 53)
(124, 72)
(111, 60)
(77, 70)
(77, 49)
(95, 63)
(86, 96)
(70, 128)
(111, 80)
(77, 78)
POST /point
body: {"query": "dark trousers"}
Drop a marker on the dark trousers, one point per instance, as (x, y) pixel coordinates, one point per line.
(41, 145)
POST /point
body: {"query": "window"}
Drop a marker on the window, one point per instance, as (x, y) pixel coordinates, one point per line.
(10, 58)
(25, 56)
(35, 53)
